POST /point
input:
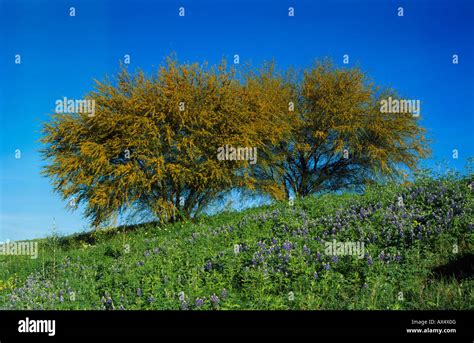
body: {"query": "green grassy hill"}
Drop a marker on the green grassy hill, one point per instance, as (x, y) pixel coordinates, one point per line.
(418, 254)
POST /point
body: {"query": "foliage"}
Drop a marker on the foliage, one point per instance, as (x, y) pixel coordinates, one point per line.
(152, 143)
(340, 138)
(280, 262)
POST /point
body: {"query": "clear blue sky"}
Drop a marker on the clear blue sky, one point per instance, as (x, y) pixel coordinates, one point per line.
(61, 55)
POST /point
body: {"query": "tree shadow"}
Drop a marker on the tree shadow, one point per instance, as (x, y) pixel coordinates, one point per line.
(92, 237)
(461, 268)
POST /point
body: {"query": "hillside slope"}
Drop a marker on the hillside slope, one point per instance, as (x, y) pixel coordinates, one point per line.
(417, 253)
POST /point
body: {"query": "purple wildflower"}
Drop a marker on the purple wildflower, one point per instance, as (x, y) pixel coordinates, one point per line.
(369, 261)
(208, 266)
(184, 305)
(287, 246)
(214, 299)
(224, 294)
(199, 302)
(382, 256)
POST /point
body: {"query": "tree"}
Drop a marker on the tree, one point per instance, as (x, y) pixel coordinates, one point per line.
(153, 141)
(340, 139)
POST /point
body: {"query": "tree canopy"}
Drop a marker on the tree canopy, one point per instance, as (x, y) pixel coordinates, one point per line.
(153, 141)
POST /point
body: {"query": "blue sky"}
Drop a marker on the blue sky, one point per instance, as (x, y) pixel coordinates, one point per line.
(61, 55)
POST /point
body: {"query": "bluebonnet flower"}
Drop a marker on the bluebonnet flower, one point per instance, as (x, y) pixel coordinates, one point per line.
(214, 299)
(369, 261)
(382, 256)
(335, 258)
(184, 305)
(327, 266)
(208, 266)
(274, 240)
(151, 300)
(199, 302)
(139, 292)
(318, 255)
(224, 294)
(287, 246)
(306, 249)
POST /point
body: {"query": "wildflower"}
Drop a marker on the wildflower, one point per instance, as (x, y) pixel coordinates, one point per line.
(151, 300)
(382, 256)
(208, 266)
(335, 258)
(287, 246)
(214, 299)
(184, 305)
(327, 266)
(199, 302)
(224, 294)
(369, 261)
(139, 292)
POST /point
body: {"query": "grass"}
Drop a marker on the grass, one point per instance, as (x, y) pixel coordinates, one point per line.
(418, 254)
